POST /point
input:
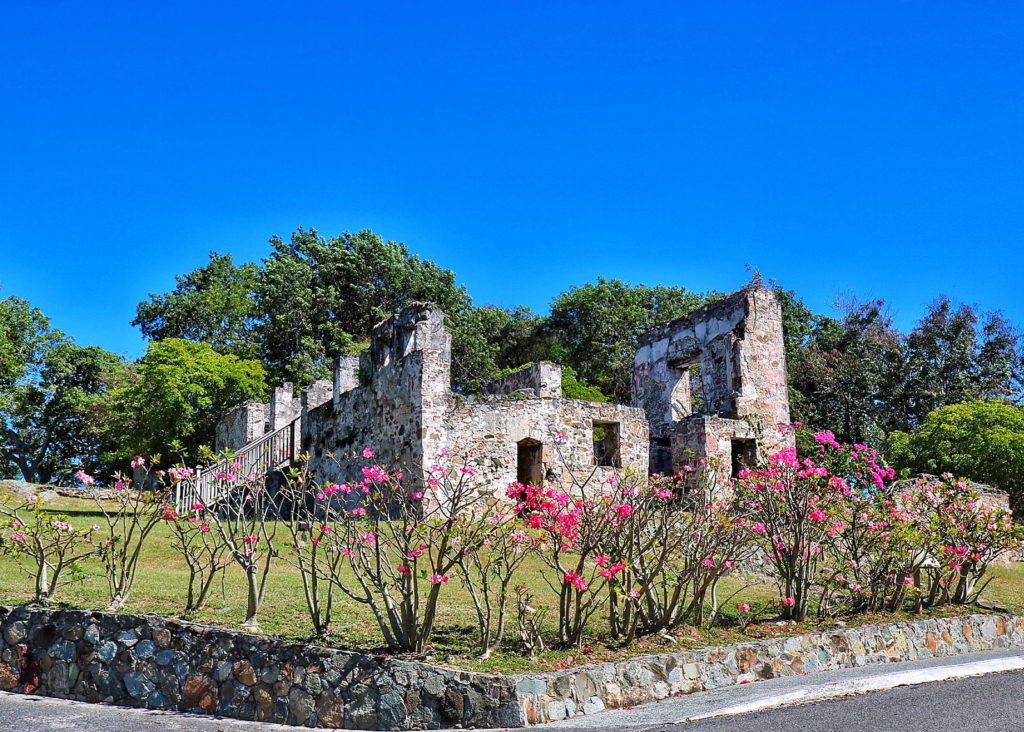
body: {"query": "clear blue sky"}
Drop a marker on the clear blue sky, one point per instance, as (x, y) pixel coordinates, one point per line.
(866, 147)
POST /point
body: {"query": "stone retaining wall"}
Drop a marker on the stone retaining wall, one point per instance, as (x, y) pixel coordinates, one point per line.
(147, 661)
(557, 695)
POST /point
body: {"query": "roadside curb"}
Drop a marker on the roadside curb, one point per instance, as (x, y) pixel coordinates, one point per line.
(881, 682)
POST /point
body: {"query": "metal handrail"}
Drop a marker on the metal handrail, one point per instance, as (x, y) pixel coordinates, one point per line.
(254, 461)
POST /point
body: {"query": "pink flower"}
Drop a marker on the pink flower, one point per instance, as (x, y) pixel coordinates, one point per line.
(743, 607)
(817, 515)
(601, 560)
(85, 478)
(205, 527)
(437, 579)
(367, 453)
(402, 569)
(138, 461)
(788, 602)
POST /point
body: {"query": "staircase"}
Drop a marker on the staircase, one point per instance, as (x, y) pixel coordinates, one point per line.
(261, 457)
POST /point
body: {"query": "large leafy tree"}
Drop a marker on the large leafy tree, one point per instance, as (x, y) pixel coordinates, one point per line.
(594, 328)
(50, 394)
(312, 298)
(952, 360)
(980, 440)
(849, 372)
(488, 340)
(214, 304)
(176, 395)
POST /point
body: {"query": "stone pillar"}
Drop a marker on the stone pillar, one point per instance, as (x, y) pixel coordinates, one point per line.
(284, 407)
(346, 375)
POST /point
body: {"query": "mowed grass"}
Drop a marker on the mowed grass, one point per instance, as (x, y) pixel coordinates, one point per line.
(163, 577)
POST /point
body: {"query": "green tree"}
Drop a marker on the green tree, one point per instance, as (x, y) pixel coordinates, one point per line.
(176, 395)
(213, 304)
(489, 340)
(49, 397)
(322, 297)
(952, 360)
(594, 329)
(849, 374)
(979, 440)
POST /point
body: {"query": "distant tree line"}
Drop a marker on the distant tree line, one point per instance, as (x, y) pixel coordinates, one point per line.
(228, 332)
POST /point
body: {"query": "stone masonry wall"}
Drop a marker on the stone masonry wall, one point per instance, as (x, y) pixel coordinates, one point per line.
(397, 412)
(561, 694)
(492, 429)
(737, 344)
(285, 407)
(241, 425)
(157, 663)
(410, 417)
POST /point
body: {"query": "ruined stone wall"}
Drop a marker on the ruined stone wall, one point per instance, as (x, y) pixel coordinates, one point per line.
(241, 425)
(285, 407)
(401, 408)
(542, 379)
(492, 429)
(346, 374)
(410, 417)
(733, 351)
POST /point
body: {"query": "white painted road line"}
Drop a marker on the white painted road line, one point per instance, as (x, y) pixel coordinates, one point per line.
(865, 685)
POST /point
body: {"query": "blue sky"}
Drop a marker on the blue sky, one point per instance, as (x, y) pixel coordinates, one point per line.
(840, 147)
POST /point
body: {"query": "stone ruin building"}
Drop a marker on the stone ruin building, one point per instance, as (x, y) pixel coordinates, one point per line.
(714, 383)
(711, 383)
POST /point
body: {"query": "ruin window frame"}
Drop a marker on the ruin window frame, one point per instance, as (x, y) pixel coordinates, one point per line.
(742, 454)
(608, 450)
(530, 461)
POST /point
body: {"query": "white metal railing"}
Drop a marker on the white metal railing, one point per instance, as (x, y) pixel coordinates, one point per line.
(255, 461)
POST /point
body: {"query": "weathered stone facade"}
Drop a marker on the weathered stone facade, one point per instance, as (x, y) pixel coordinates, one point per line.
(241, 425)
(158, 663)
(409, 415)
(710, 384)
(713, 383)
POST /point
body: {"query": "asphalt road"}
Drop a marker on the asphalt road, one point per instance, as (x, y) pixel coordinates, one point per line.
(979, 704)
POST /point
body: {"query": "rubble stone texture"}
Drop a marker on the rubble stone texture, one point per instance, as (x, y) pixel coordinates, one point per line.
(157, 663)
(410, 416)
(241, 425)
(710, 384)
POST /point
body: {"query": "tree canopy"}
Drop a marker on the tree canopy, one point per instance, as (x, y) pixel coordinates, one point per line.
(979, 440)
(50, 389)
(594, 329)
(213, 304)
(176, 394)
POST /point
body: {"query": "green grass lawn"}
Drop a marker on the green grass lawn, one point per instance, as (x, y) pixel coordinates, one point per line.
(163, 577)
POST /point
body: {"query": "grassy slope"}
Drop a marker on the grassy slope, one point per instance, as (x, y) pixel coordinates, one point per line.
(162, 580)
